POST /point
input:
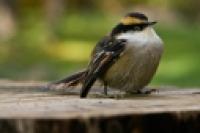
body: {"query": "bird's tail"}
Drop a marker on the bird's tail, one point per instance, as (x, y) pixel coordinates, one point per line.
(71, 80)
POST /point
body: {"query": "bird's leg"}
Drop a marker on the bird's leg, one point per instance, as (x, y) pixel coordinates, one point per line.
(105, 87)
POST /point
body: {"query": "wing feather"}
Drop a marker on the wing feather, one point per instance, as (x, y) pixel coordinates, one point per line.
(106, 52)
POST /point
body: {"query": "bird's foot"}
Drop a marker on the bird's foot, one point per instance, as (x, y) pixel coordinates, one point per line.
(147, 91)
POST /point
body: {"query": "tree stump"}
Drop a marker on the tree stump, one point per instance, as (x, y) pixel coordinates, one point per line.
(29, 108)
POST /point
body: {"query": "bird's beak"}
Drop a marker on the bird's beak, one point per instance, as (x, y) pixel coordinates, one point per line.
(151, 23)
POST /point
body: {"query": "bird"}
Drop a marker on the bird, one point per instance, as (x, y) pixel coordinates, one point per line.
(125, 59)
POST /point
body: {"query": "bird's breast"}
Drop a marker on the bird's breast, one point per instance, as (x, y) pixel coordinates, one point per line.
(138, 63)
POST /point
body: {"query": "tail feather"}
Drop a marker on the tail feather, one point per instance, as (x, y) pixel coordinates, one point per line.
(72, 80)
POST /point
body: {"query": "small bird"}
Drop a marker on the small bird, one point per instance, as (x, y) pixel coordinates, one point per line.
(125, 59)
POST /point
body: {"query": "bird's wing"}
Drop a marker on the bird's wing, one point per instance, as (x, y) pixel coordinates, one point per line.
(106, 52)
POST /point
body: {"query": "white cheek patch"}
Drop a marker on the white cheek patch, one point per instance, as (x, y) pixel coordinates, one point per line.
(136, 38)
(140, 38)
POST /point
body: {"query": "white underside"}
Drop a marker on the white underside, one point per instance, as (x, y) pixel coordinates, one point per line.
(138, 63)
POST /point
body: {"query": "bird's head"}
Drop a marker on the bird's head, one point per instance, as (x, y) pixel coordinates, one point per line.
(134, 22)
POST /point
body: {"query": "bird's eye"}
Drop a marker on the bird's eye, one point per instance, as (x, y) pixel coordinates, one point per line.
(138, 28)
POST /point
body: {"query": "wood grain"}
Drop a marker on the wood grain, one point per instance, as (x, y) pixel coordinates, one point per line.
(29, 107)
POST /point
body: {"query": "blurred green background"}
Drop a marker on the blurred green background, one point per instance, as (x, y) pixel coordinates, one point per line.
(49, 39)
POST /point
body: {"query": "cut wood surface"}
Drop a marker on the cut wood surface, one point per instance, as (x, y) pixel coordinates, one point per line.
(27, 102)
(18, 99)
